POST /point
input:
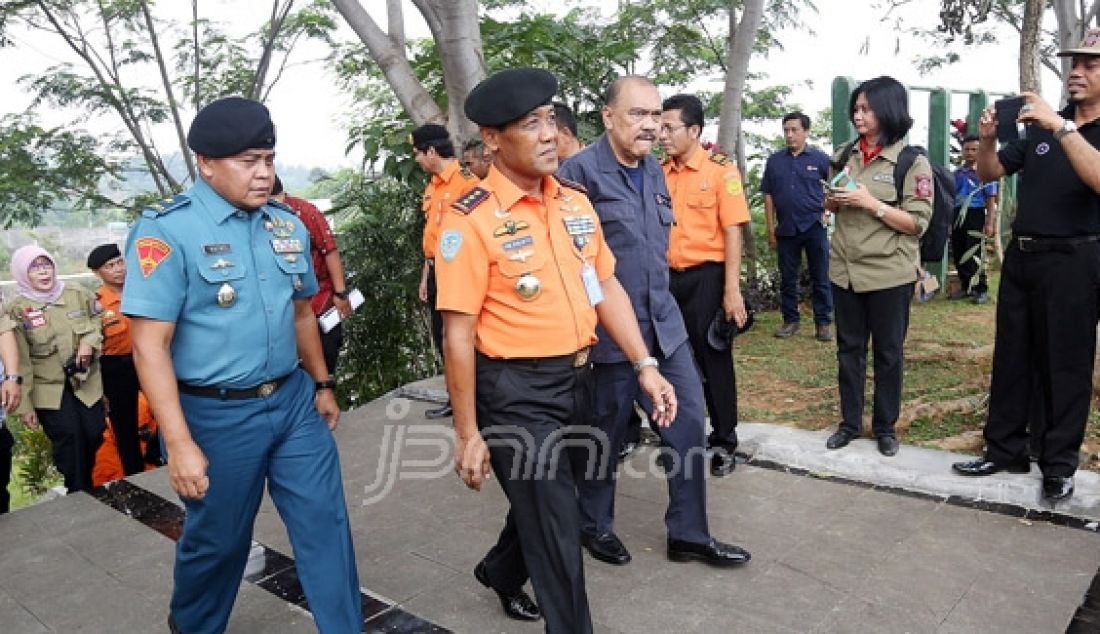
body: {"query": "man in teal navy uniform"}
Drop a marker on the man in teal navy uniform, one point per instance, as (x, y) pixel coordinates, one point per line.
(217, 288)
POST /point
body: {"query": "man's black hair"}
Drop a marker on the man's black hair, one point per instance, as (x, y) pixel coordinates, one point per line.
(691, 109)
(887, 98)
(799, 117)
(565, 117)
(276, 186)
(970, 138)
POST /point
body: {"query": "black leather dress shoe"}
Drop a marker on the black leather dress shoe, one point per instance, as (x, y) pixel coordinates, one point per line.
(607, 548)
(888, 446)
(722, 463)
(516, 605)
(983, 467)
(714, 552)
(439, 412)
(1056, 488)
(840, 438)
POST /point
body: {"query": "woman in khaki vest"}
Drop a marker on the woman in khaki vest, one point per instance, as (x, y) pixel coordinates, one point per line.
(59, 335)
(874, 256)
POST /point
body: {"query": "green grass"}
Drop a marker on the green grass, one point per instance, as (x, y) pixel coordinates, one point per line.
(948, 357)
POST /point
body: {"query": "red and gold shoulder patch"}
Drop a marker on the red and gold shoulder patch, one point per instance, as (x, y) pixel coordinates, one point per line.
(720, 158)
(924, 186)
(150, 253)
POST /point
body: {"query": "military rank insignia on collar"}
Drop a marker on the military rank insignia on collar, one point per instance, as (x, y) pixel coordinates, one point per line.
(565, 182)
(471, 200)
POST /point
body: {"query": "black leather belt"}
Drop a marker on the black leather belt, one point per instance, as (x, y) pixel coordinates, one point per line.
(578, 359)
(262, 390)
(1030, 244)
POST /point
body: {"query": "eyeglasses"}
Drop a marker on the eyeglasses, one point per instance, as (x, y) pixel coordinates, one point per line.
(637, 115)
(670, 130)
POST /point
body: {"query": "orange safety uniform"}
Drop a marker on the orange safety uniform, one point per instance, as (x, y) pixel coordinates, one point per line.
(444, 189)
(116, 326)
(707, 196)
(500, 238)
(108, 467)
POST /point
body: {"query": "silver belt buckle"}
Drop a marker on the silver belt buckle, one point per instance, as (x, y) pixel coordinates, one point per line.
(1024, 242)
(581, 359)
(266, 390)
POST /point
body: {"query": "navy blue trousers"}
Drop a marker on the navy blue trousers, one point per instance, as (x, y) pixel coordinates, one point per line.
(280, 441)
(616, 390)
(815, 242)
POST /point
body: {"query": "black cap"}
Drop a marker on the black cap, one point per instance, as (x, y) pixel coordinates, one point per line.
(103, 254)
(429, 134)
(722, 331)
(230, 126)
(510, 94)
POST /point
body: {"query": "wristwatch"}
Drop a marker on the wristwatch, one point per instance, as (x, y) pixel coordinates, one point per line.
(1067, 127)
(18, 378)
(881, 211)
(327, 384)
(645, 362)
(341, 294)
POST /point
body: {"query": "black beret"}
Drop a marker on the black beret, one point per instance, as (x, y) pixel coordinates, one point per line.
(103, 254)
(429, 133)
(230, 126)
(510, 94)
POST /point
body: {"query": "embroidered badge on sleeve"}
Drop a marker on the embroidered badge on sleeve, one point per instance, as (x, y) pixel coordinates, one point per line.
(924, 186)
(151, 252)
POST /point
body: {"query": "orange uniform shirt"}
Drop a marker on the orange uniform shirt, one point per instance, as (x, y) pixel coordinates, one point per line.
(707, 196)
(503, 235)
(116, 326)
(444, 189)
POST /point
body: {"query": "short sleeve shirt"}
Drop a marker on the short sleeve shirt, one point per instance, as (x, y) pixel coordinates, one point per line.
(227, 278)
(444, 189)
(116, 326)
(707, 196)
(1053, 200)
(967, 181)
(794, 183)
(503, 236)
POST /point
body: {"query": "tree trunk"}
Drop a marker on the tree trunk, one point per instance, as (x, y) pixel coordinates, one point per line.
(457, 34)
(741, 39)
(181, 136)
(1030, 32)
(395, 19)
(412, 95)
(1069, 31)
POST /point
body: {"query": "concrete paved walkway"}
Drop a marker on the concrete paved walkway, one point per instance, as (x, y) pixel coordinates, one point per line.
(843, 541)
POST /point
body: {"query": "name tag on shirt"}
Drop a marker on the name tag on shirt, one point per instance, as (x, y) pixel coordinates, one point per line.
(591, 284)
(286, 245)
(33, 319)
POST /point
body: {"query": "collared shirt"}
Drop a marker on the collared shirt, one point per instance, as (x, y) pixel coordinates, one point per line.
(321, 243)
(1053, 200)
(865, 253)
(707, 197)
(227, 279)
(505, 237)
(444, 189)
(49, 335)
(794, 183)
(116, 326)
(966, 181)
(636, 226)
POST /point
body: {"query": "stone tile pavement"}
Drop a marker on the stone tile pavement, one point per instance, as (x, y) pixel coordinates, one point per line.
(842, 542)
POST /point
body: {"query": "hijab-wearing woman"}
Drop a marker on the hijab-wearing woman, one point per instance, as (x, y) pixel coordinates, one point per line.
(874, 257)
(59, 336)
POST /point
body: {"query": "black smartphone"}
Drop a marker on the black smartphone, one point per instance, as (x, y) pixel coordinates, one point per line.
(1007, 112)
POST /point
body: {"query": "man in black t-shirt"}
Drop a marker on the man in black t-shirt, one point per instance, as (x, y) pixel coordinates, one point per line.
(1050, 283)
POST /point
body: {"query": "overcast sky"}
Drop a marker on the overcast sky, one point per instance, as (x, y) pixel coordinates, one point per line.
(850, 39)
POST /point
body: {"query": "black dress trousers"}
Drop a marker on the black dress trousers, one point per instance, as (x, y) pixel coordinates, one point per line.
(120, 386)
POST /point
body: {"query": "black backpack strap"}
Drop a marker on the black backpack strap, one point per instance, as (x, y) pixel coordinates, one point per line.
(846, 154)
(906, 158)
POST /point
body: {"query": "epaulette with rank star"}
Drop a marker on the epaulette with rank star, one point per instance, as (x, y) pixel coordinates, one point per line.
(720, 158)
(565, 182)
(167, 205)
(470, 200)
